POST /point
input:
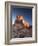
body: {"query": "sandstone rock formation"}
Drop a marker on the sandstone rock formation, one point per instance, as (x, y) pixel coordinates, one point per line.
(21, 28)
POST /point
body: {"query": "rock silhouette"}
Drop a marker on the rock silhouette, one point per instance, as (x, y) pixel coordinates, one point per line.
(21, 29)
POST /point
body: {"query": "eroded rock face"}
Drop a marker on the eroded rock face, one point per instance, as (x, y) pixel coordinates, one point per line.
(20, 20)
(20, 30)
(21, 33)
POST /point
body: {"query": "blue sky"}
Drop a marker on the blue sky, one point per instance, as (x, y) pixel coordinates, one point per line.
(26, 12)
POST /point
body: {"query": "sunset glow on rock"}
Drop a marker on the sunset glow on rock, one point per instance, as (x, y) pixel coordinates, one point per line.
(25, 23)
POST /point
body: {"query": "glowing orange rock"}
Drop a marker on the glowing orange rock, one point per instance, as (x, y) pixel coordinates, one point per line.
(25, 23)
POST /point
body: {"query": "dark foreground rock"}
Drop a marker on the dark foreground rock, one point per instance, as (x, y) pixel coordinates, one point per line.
(21, 32)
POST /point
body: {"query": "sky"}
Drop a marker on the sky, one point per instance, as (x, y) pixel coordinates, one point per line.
(25, 12)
